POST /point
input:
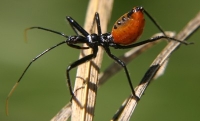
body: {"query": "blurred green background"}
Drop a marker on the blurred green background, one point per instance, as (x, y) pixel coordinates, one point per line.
(43, 92)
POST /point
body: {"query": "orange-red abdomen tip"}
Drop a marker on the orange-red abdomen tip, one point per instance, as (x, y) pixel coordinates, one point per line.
(128, 27)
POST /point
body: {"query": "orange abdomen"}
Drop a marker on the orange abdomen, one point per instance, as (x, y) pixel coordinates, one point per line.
(129, 27)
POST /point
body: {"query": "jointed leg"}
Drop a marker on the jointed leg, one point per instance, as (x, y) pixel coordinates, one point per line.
(75, 64)
(125, 69)
(76, 27)
(96, 21)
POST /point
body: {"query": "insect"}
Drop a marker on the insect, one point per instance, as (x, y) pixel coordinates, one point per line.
(125, 32)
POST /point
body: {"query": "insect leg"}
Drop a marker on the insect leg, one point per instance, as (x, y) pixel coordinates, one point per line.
(125, 69)
(96, 21)
(77, 63)
(76, 27)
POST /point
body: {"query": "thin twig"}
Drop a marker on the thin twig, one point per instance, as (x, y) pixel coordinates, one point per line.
(127, 108)
(64, 113)
(87, 74)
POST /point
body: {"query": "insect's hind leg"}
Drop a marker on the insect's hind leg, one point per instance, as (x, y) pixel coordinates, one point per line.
(126, 72)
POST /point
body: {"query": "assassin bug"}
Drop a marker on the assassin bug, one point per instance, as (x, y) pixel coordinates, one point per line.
(125, 31)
